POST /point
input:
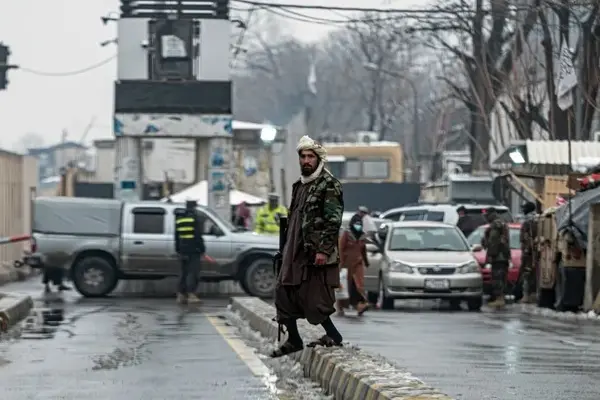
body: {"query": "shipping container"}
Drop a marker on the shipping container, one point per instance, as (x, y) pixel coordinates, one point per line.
(18, 181)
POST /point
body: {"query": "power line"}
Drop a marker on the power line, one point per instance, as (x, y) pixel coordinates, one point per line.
(350, 9)
(69, 73)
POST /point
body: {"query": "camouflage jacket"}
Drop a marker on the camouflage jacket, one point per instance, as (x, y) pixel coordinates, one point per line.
(496, 241)
(528, 234)
(321, 216)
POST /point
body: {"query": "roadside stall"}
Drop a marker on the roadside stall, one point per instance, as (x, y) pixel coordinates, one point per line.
(547, 256)
(575, 225)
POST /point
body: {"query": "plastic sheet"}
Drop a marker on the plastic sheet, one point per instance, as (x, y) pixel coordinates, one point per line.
(77, 216)
(580, 210)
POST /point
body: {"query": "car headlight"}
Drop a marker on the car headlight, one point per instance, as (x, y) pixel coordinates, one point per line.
(399, 267)
(469, 268)
(487, 266)
(510, 264)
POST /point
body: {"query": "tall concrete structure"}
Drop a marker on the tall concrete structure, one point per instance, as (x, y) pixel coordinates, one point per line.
(173, 81)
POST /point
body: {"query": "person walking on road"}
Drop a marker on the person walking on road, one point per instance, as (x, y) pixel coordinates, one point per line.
(496, 243)
(527, 272)
(54, 275)
(353, 257)
(309, 271)
(190, 247)
(267, 217)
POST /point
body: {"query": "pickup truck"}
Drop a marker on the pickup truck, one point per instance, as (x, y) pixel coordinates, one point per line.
(102, 241)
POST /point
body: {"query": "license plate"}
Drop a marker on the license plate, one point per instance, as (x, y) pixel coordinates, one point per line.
(437, 284)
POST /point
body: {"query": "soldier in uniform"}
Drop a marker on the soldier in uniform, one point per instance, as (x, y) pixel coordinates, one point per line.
(496, 243)
(309, 271)
(527, 273)
(190, 247)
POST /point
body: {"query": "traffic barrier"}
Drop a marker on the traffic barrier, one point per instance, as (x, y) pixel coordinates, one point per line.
(14, 239)
(346, 373)
(13, 309)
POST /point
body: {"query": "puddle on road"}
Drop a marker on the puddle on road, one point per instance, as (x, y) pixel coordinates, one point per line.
(43, 323)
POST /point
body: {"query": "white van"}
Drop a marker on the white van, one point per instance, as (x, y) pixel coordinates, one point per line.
(443, 212)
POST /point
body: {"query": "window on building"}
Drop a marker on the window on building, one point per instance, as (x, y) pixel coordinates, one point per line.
(336, 168)
(149, 223)
(378, 169)
(352, 169)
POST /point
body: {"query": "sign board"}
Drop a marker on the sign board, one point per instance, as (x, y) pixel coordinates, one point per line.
(172, 125)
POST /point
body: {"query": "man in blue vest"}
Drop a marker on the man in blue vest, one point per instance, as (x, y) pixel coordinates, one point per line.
(190, 247)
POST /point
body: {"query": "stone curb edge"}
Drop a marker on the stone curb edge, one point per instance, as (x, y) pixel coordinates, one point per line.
(13, 309)
(346, 372)
(559, 315)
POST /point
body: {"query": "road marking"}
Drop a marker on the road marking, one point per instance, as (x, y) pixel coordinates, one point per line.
(244, 352)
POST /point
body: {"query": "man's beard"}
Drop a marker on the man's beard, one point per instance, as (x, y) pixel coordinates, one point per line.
(307, 170)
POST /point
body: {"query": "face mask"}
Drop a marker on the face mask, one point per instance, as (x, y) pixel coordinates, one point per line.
(357, 228)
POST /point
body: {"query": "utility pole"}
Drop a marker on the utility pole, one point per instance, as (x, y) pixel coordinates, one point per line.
(5, 65)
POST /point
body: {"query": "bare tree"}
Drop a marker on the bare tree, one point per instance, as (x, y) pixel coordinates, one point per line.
(582, 20)
(495, 35)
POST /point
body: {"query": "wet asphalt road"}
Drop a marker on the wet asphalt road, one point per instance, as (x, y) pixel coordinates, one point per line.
(501, 355)
(150, 348)
(125, 348)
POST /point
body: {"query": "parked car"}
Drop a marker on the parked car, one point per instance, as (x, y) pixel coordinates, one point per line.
(423, 260)
(443, 213)
(515, 256)
(99, 242)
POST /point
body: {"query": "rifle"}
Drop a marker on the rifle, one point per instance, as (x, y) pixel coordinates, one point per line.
(278, 258)
(277, 263)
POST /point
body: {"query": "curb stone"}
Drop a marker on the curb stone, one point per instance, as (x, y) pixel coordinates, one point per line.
(346, 372)
(558, 315)
(13, 308)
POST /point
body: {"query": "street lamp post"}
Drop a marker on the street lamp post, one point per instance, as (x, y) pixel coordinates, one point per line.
(413, 87)
(267, 135)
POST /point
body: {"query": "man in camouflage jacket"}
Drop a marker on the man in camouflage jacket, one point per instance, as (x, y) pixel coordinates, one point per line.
(527, 275)
(309, 271)
(496, 243)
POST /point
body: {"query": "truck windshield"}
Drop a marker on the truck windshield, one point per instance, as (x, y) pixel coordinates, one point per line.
(221, 221)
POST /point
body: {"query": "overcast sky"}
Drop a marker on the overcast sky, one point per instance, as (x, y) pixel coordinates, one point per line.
(59, 36)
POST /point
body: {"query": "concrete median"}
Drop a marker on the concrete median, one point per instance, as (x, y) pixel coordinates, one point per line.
(347, 373)
(13, 308)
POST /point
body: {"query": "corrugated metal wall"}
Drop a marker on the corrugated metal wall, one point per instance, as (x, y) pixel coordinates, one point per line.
(18, 177)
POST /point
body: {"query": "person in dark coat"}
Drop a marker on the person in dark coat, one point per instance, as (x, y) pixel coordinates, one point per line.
(190, 247)
(527, 273)
(309, 271)
(496, 243)
(465, 222)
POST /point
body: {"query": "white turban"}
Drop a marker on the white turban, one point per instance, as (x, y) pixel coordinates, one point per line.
(306, 143)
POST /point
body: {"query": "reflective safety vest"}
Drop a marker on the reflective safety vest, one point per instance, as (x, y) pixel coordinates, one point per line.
(267, 220)
(185, 226)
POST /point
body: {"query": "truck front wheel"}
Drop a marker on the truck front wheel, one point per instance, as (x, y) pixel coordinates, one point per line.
(258, 279)
(94, 276)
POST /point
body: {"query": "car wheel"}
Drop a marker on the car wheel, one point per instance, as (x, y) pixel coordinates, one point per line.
(455, 304)
(386, 302)
(259, 279)
(475, 304)
(95, 276)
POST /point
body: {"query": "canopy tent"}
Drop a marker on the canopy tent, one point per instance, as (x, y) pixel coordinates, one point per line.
(199, 192)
